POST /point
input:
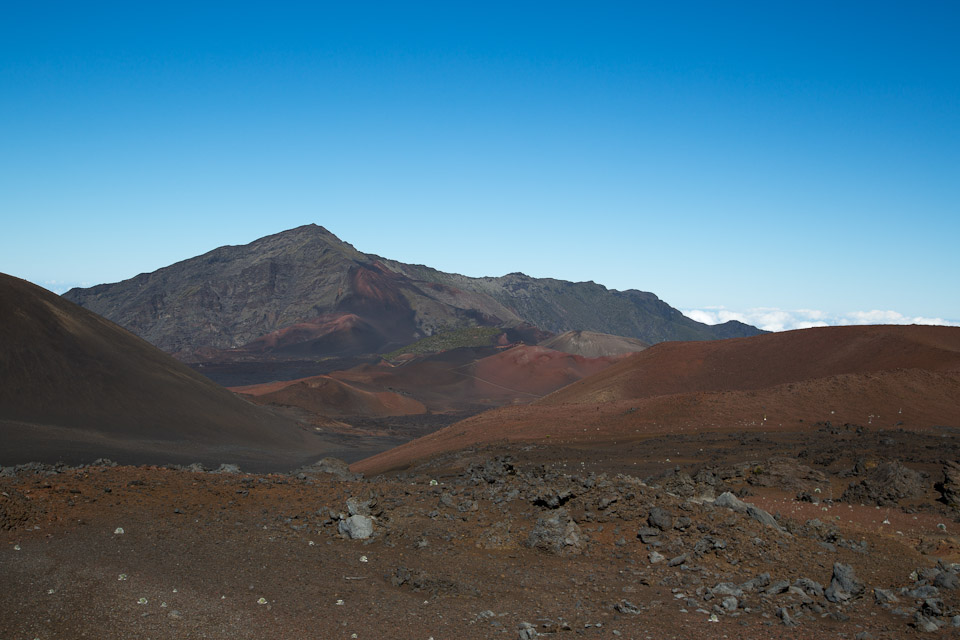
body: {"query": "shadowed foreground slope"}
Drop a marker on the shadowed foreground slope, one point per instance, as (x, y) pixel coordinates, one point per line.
(76, 387)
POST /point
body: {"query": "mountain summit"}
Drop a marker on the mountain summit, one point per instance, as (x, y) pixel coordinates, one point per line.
(306, 293)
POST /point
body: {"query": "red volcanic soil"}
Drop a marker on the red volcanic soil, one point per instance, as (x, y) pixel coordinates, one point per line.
(77, 387)
(534, 370)
(449, 381)
(872, 376)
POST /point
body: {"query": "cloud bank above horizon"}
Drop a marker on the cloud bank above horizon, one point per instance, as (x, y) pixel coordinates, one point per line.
(773, 319)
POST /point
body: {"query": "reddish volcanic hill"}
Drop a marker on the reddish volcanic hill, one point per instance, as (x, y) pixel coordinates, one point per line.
(763, 361)
(877, 376)
(459, 379)
(328, 396)
(77, 387)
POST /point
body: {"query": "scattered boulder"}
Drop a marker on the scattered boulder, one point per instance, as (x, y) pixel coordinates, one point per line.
(625, 606)
(946, 580)
(649, 535)
(844, 586)
(885, 485)
(884, 596)
(950, 487)
(526, 631)
(925, 624)
(757, 583)
(492, 471)
(363, 507)
(556, 533)
(730, 501)
(335, 467)
(552, 498)
(228, 468)
(660, 518)
(785, 618)
(785, 473)
(810, 587)
(357, 527)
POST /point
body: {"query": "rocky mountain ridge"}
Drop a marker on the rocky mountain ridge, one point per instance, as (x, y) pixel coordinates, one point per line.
(306, 293)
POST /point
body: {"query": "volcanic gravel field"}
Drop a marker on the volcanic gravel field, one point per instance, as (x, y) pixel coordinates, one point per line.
(516, 541)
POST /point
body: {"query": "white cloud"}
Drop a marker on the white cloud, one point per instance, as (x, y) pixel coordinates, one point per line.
(773, 319)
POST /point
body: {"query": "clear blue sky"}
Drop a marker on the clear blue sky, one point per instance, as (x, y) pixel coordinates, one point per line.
(739, 154)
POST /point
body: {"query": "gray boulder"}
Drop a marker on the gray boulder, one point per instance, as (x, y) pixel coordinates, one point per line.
(660, 518)
(734, 503)
(844, 586)
(556, 533)
(357, 527)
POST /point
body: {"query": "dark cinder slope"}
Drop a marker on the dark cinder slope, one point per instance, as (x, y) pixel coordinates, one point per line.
(304, 293)
(74, 387)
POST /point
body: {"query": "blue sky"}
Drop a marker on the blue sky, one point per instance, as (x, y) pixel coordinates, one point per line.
(737, 159)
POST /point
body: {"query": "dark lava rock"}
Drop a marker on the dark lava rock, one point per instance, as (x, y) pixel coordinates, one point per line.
(648, 535)
(335, 467)
(734, 503)
(884, 596)
(885, 485)
(556, 533)
(660, 518)
(844, 585)
(950, 487)
(946, 580)
(552, 498)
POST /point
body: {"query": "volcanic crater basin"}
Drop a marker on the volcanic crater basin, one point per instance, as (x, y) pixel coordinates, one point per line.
(482, 542)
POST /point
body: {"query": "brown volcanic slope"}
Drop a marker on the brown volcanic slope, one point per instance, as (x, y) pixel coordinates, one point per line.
(594, 345)
(455, 380)
(881, 376)
(76, 387)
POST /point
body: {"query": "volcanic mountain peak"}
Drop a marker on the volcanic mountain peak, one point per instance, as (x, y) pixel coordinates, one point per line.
(232, 296)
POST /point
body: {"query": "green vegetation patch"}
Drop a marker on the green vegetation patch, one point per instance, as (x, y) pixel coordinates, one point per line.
(449, 339)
